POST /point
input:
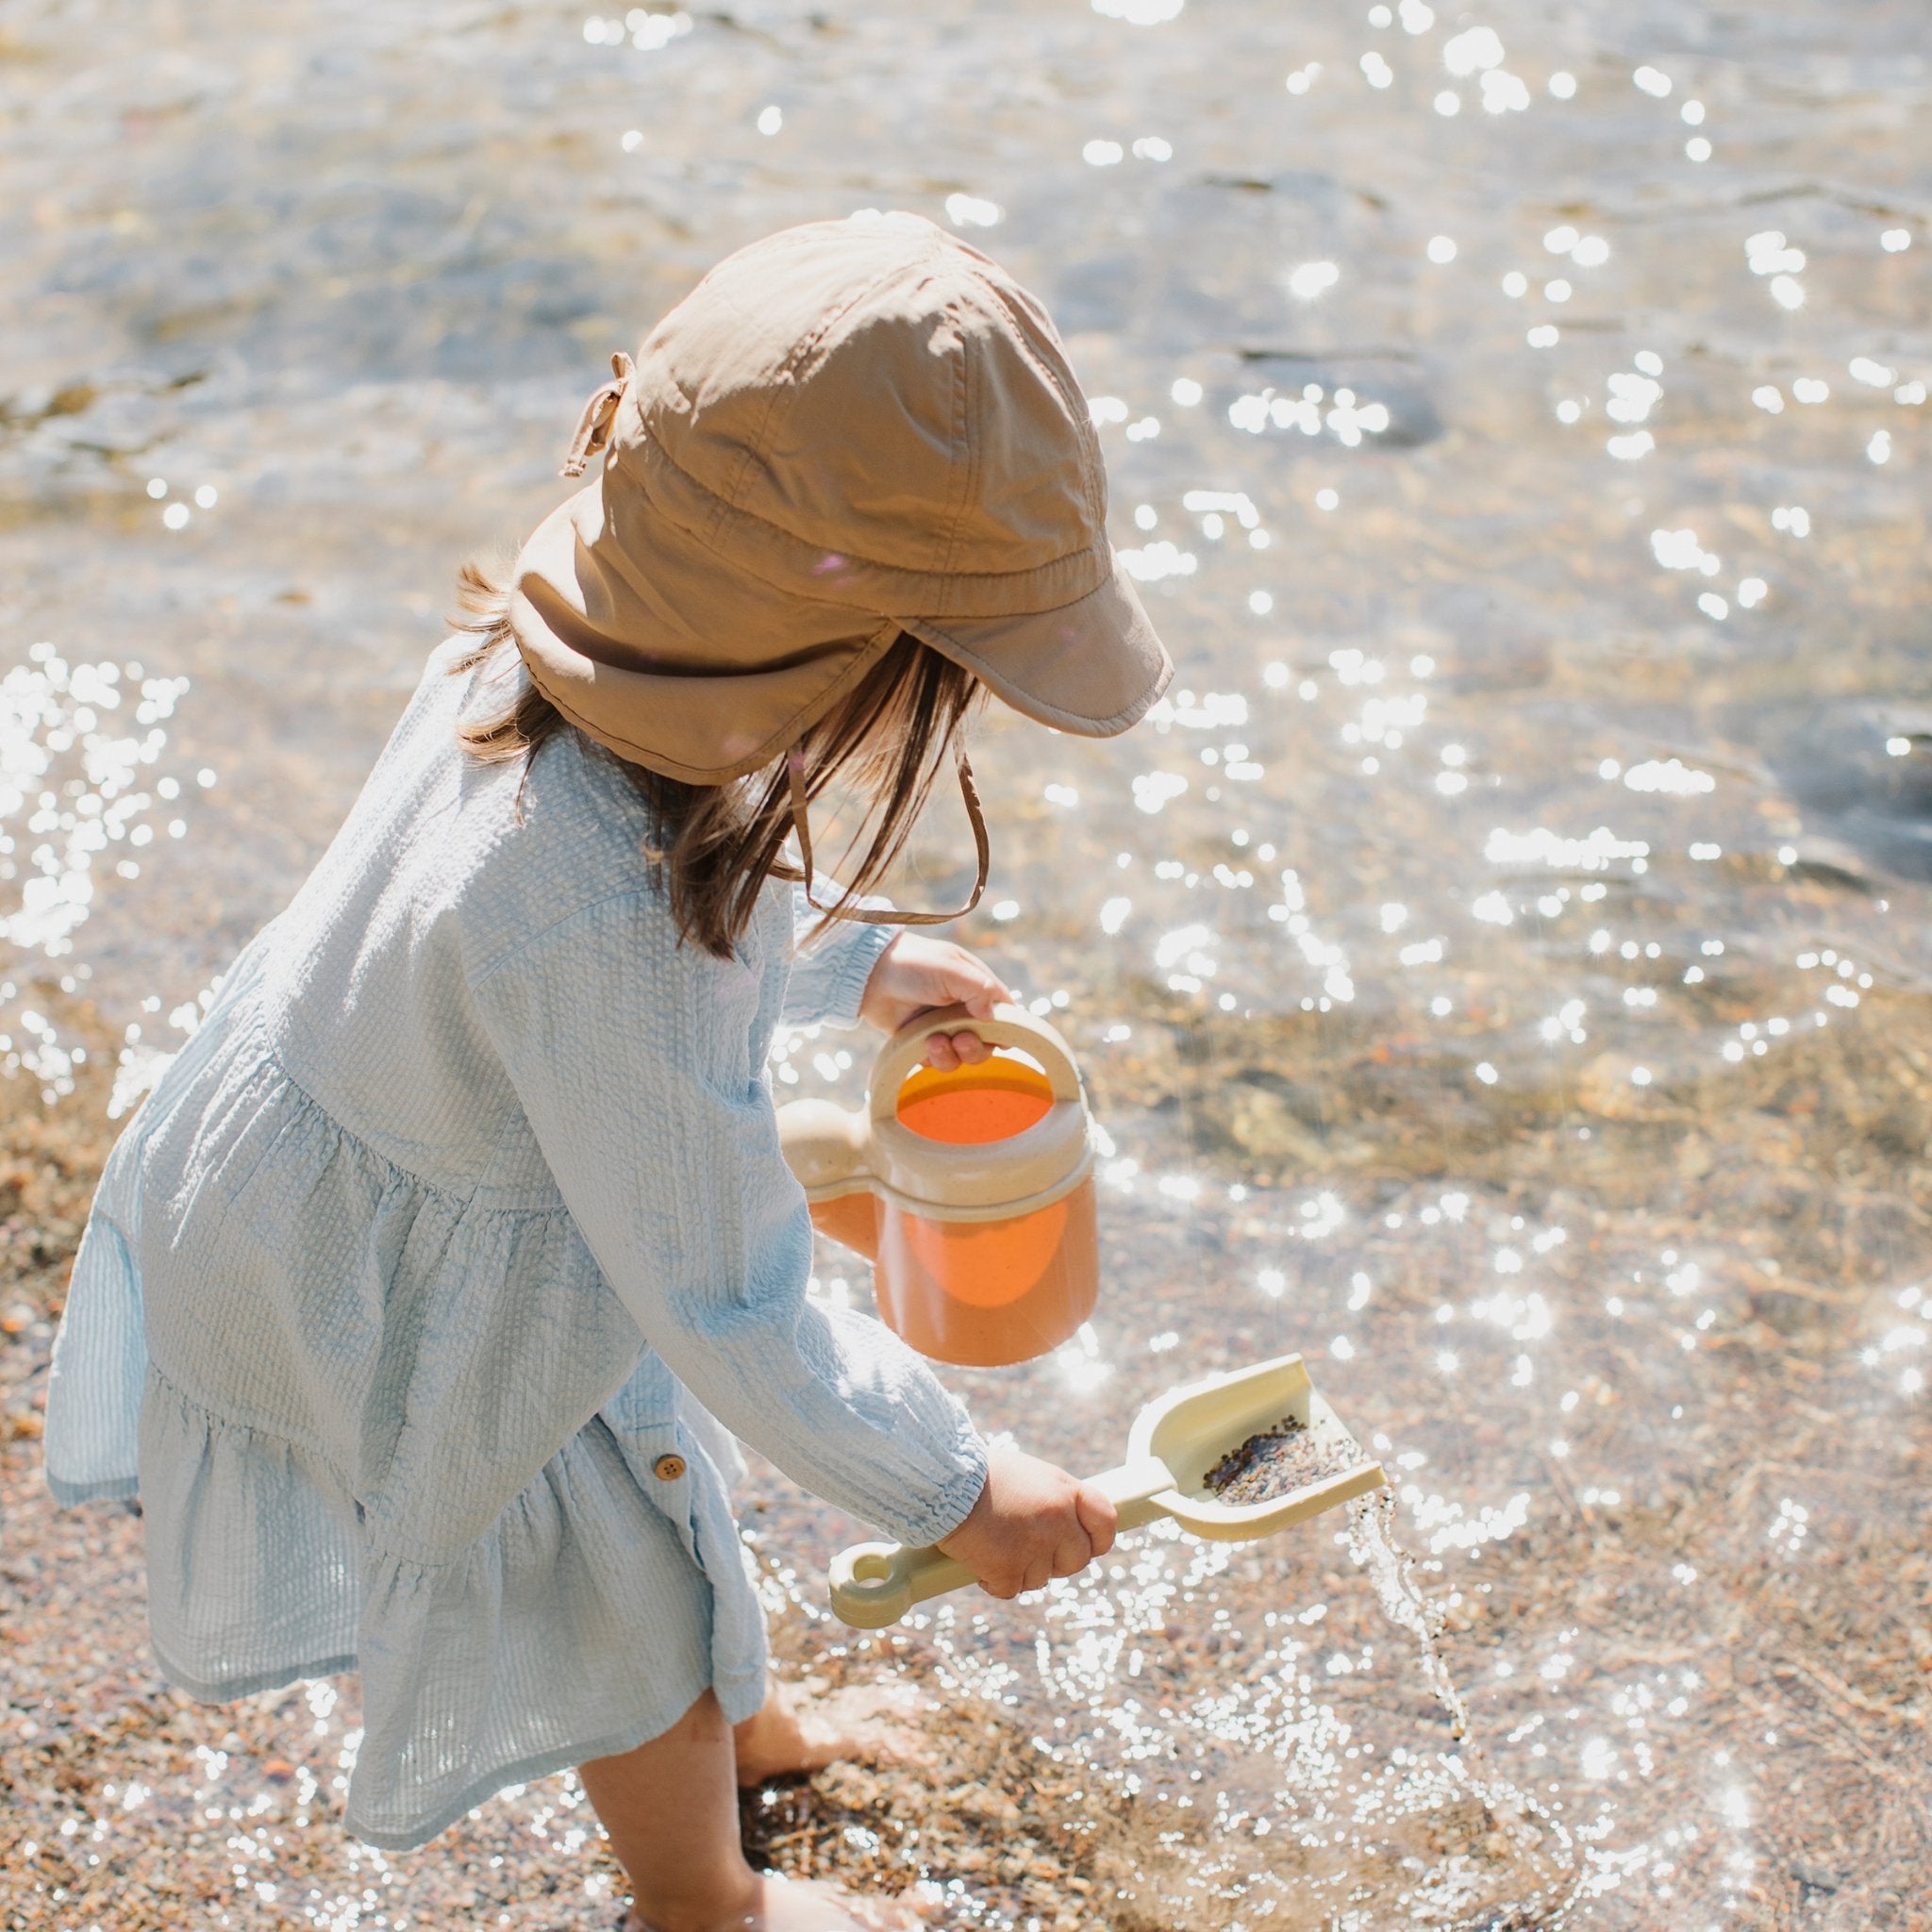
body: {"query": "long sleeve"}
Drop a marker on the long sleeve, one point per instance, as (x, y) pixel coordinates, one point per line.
(632, 1058)
(829, 975)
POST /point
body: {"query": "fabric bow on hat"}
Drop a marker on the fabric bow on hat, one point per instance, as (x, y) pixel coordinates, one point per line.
(600, 413)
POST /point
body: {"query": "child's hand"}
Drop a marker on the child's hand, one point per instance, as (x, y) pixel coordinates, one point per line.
(1032, 1521)
(915, 974)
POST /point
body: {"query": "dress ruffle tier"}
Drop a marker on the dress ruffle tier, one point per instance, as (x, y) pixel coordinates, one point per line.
(487, 1660)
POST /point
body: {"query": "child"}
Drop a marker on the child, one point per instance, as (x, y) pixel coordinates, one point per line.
(427, 1289)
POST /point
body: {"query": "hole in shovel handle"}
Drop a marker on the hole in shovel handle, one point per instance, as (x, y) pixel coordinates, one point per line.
(869, 1585)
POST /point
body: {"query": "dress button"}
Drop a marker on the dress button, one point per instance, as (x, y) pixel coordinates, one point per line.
(668, 1468)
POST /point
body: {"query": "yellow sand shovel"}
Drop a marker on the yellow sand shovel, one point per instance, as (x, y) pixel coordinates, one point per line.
(1175, 1441)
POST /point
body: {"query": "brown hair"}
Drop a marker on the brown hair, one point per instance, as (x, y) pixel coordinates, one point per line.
(717, 844)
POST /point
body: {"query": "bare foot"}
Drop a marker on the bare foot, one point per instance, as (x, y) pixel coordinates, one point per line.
(805, 1729)
(791, 1905)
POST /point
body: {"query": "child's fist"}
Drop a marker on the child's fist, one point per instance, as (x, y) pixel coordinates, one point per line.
(1032, 1523)
(915, 974)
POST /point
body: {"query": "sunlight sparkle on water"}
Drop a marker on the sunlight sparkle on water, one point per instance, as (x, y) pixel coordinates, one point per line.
(1361, 985)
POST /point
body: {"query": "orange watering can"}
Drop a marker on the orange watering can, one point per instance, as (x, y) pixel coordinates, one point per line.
(970, 1191)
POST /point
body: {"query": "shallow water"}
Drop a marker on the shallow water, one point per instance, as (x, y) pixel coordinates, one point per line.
(1498, 966)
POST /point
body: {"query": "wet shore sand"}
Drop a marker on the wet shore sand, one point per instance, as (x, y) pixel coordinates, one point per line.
(129, 1806)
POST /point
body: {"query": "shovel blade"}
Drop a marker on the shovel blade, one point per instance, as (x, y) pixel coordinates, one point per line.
(1192, 1428)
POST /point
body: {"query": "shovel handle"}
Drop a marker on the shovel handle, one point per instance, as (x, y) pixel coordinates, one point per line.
(874, 1585)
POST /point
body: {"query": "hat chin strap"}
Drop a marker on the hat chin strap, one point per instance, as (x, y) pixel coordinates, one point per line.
(801, 808)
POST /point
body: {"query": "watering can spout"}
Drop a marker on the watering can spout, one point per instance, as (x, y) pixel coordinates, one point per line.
(823, 1144)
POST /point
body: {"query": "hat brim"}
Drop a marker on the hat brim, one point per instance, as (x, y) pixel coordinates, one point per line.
(1094, 667)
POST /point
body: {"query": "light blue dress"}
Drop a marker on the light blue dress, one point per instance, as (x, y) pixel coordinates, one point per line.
(461, 1211)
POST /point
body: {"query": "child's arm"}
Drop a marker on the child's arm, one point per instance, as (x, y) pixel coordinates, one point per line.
(915, 974)
(885, 975)
(1032, 1521)
(831, 970)
(631, 1056)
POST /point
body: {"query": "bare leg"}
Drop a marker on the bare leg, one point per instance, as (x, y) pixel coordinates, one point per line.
(670, 1808)
(807, 1727)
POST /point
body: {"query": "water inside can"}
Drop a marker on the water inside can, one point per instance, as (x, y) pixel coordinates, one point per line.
(972, 1105)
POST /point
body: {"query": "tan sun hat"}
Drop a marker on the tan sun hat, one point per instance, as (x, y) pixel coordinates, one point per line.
(845, 430)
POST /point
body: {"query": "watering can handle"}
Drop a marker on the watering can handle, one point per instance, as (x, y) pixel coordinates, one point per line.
(1010, 1026)
(874, 1585)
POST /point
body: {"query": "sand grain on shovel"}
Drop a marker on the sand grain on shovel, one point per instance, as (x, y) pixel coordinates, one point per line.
(1277, 1461)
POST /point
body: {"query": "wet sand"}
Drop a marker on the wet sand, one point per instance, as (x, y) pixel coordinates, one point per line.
(1498, 968)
